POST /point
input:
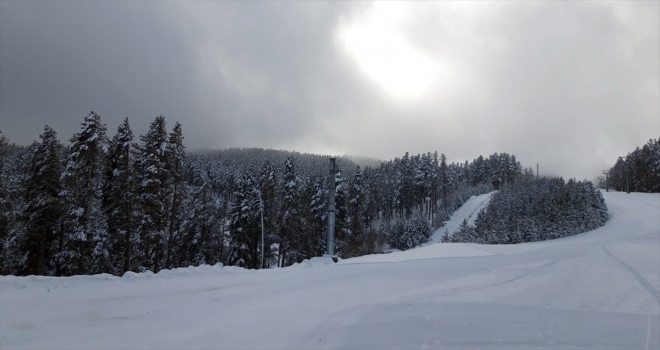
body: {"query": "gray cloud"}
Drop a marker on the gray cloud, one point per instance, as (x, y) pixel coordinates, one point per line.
(568, 85)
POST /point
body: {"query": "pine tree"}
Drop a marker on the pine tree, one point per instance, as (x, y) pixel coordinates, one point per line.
(406, 189)
(190, 250)
(44, 210)
(267, 188)
(5, 203)
(85, 239)
(409, 233)
(14, 178)
(119, 202)
(151, 165)
(245, 224)
(342, 230)
(444, 182)
(175, 187)
(370, 208)
(355, 215)
(319, 210)
(201, 235)
(290, 224)
(4, 145)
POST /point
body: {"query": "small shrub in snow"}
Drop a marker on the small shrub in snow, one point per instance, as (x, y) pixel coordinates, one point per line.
(406, 234)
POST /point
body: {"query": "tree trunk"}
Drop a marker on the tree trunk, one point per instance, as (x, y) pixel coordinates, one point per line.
(127, 251)
(127, 248)
(171, 233)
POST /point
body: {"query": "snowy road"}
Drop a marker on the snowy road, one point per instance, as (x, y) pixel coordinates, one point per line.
(600, 290)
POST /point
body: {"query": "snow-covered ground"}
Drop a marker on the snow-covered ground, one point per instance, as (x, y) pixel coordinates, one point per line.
(599, 290)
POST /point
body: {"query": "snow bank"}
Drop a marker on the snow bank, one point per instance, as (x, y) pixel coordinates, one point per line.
(177, 272)
(314, 262)
(49, 282)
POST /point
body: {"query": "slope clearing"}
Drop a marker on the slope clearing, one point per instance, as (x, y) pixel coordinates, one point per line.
(468, 211)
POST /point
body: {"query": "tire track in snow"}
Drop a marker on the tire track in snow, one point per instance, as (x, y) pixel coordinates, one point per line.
(654, 292)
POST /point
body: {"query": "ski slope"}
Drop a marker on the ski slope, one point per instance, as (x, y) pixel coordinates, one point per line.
(597, 290)
(468, 211)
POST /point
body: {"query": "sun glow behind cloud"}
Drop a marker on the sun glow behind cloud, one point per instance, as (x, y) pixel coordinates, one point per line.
(377, 43)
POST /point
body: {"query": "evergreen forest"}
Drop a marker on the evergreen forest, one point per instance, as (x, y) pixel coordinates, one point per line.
(639, 169)
(115, 202)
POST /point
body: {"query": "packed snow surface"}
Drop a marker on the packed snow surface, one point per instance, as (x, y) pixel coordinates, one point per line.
(597, 290)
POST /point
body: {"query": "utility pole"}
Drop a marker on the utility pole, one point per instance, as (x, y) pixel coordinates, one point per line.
(537, 170)
(331, 210)
(627, 175)
(262, 229)
(607, 180)
(261, 210)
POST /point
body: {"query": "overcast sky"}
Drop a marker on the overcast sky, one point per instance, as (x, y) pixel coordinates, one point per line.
(568, 85)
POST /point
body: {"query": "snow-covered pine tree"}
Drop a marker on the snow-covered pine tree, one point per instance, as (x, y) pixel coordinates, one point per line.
(84, 248)
(407, 189)
(319, 211)
(14, 178)
(4, 147)
(355, 224)
(43, 213)
(5, 202)
(289, 214)
(480, 171)
(369, 207)
(190, 250)
(654, 164)
(119, 202)
(342, 230)
(201, 236)
(444, 183)
(422, 175)
(494, 173)
(268, 189)
(305, 234)
(409, 233)
(245, 229)
(175, 188)
(153, 175)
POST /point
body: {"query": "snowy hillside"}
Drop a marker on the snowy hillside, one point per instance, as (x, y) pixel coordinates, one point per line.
(600, 289)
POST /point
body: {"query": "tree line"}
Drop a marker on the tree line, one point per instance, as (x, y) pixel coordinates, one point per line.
(111, 205)
(640, 169)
